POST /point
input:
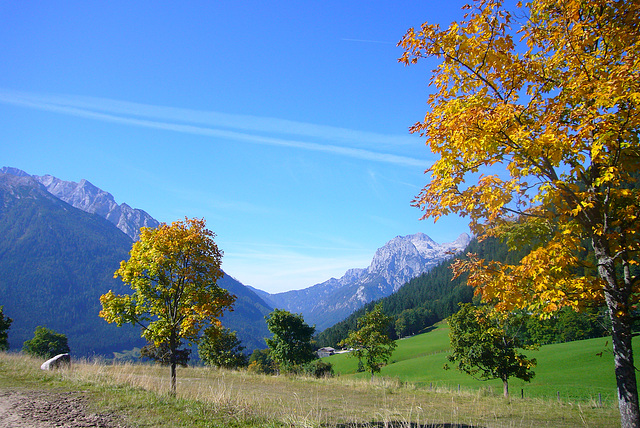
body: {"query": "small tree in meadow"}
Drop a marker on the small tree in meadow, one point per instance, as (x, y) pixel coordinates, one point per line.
(46, 344)
(220, 347)
(484, 348)
(290, 345)
(173, 272)
(371, 342)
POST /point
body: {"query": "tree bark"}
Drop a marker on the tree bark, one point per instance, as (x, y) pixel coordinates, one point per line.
(173, 359)
(625, 372)
(617, 296)
(173, 379)
(505, 388)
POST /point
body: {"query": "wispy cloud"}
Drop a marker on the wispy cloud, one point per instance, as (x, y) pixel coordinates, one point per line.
(382, 42)
(243, 128)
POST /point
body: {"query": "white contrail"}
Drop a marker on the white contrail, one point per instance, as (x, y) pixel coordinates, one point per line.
(220, 125)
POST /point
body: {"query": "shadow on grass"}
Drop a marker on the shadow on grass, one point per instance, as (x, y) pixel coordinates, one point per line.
(427, 330)
(398, 424)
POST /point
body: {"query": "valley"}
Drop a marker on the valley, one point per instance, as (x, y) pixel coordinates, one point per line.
(420, 359)
(412, 391)
(59, 258)
(63, 240)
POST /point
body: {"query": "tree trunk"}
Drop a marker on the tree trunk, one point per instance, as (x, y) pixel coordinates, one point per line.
(617, 295)
(173, 379)
(624, 366)
(173, 360)
(505, 388)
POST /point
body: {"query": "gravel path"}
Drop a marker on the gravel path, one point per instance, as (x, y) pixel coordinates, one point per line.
(43, 409)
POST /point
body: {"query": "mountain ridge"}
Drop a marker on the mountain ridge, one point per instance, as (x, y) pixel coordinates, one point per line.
(324, 304)
(90, 198)
(46, 211)
(393, 265)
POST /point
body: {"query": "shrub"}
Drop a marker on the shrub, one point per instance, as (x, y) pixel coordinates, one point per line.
(260, 362)
(220, 347)
(318, 368)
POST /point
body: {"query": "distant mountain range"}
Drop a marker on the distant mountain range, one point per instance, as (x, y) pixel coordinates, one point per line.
(83, 234)
(56, 260)
(393, 265)
(88, 198)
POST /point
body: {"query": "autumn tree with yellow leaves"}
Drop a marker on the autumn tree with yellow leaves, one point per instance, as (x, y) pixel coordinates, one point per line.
(172, 270)
(534, 120)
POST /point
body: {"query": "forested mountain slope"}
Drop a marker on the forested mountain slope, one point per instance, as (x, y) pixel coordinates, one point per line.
(424, 300)
(56, 261)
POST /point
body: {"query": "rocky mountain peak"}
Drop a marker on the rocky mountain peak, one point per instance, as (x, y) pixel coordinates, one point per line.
(393, 265)
(18, 186)
(90, 198)
(82, 195)
(461, 242)
(405, 257)
(13, 171)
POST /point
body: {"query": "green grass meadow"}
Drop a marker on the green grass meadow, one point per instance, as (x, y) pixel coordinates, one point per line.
(581, 370)
(412, 391)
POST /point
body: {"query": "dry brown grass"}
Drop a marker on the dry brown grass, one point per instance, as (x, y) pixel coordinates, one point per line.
(306, 402)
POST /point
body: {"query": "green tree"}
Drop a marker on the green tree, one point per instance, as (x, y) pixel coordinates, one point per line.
(290, 345)
(5, 323)
(220, 347)
(401, 325)
(565, 325)
(172, 270)
(534, 125)
(484, 346)
(371, 342)
(46, 344)
(318, 368)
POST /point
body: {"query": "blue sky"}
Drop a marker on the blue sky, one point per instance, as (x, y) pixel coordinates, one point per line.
(283, 124)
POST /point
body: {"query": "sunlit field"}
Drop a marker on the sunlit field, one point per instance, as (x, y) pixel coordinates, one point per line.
(574, 371)
(210, 397)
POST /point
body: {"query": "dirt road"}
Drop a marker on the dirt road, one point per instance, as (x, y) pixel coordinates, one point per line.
(44, 409)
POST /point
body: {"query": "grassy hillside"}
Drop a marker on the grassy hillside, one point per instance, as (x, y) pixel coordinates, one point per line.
(577, 370)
